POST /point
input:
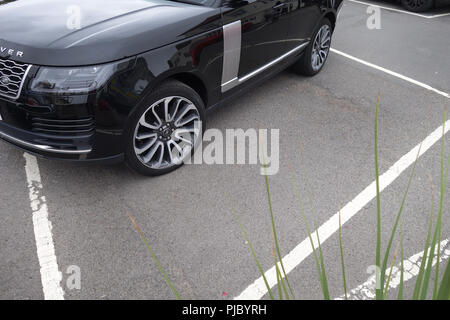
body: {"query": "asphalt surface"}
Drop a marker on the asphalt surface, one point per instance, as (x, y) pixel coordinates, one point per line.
(186, 215)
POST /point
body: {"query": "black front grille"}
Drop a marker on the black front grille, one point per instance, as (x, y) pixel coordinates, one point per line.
(62, 127)
(12, 76)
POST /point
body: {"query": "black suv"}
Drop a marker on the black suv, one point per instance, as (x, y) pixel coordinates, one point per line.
(131, 80)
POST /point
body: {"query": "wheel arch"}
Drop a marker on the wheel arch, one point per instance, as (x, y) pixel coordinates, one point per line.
(193, 81)
(189, 78)
(330, 15)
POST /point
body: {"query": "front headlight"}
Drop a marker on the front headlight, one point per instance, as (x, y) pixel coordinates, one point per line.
(80, 80)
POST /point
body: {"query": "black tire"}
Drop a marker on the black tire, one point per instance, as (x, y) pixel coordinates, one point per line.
(418, 5)
(304, 65)
(169, 88)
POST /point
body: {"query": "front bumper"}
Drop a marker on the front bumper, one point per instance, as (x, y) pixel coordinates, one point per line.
(76, 139)
(44, 143)
(82, 126)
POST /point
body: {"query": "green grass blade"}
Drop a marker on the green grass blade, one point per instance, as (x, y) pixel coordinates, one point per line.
(283, 286)
(274, 230)
(258, 264)
(441, 202)
(429, 266)
(379, 290)
(435, 245)
(438, 228)
(279, 283)
(275, 237)
(397, 220)
(320, 264)
(342, 255)
(402, 268)
(169, 283)
(322, 267)
(444, 290)
(286, 293)
(308, 230)
(388, 281)
(420, 276)
(444, 177)
(323, 274)
(438, 262)
(277, 270)
(280, 279)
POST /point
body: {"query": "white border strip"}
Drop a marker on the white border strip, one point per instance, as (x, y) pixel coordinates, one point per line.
(366, 291)
(50, 275)
(401, 11)
(392, 73)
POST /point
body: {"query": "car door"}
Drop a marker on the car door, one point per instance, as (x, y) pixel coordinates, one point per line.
(255, 34)
(303, 18)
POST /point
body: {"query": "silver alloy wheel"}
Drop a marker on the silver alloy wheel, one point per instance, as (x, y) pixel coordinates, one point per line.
(321, 47)
(167, 132)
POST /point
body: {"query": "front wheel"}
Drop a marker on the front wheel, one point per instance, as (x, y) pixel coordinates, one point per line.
(418, 5)
(164, 129)
(316, 53)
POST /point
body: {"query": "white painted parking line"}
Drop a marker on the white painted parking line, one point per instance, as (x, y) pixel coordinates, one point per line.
(50, 275)
(401, 11)
(258, 289)
(392, 73)
(366, 291)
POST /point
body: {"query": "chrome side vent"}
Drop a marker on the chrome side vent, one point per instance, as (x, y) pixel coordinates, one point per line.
(12, 78)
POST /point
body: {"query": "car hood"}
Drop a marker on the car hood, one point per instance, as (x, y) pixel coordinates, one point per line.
(83, 32)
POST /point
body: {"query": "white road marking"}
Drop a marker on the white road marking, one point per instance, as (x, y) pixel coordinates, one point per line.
(258, 289)
(50, 275)
(392, 73)
(366, 291)
(401, 11)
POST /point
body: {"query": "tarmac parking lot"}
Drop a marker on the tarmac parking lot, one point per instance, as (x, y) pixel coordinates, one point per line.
(187, 216)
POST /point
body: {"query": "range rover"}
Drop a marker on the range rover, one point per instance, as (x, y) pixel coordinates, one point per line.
(114, 80)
